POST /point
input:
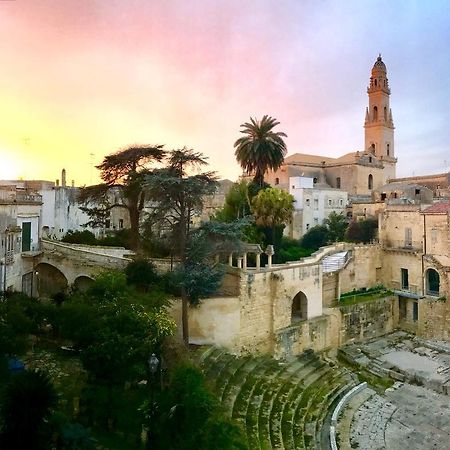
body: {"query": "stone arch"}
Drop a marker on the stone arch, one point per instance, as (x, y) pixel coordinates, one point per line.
(370, 181)
(50, 280)
(299, 308)
(432, 282)
(82, 283)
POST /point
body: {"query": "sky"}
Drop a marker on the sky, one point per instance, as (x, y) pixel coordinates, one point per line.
(80, 79)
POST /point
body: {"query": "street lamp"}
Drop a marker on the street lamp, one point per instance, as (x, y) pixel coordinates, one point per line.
(153, 363)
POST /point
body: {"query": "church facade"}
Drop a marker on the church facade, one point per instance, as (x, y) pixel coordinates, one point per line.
(360, 172)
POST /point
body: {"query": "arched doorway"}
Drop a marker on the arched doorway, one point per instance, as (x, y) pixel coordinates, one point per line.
(82, 283)
(299, 309)
(49, 280)
(432, 282)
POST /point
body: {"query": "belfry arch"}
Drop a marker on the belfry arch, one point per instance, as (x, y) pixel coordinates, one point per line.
(50, 280)
(299, 307)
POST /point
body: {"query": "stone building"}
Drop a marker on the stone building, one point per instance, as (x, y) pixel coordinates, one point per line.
(357, 173)
(439, 183)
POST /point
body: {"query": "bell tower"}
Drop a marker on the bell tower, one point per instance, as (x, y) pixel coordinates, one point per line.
(379, 126)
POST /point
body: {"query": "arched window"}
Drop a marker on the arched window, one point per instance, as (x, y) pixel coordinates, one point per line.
(277, 181)
(432, 282)
(299, 310)
(385, 113)
(375, 113)
(370, 182)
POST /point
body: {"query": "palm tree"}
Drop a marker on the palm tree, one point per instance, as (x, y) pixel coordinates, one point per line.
(261, 148)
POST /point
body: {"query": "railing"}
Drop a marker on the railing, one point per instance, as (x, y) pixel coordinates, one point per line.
(402, 244)
(411, 288)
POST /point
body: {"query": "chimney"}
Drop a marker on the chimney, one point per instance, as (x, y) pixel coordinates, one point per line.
(63, 178)
(57, 183)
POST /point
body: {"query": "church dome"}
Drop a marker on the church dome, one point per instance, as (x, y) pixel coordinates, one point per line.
(379, 65)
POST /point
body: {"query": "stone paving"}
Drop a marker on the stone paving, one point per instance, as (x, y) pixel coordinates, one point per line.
(404, 357)
(414, 414)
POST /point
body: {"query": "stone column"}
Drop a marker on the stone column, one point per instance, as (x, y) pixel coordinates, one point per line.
(239, 262)
(244, 261)
(258, 261)
(230, 260)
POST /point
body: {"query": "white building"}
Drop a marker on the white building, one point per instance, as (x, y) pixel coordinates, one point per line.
(314, 202)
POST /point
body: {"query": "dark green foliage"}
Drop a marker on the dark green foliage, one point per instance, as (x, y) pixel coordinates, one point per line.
(337, 225)
(237, 203)
(315, 238)
(261, 148)
(125, 172)
(85, 237)
(290, 250)
(187, 416)
(27, 402)
(362, 231)
(142, 274)
(119, 238)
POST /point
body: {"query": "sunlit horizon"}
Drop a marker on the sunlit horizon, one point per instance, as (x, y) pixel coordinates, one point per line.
(81, 80)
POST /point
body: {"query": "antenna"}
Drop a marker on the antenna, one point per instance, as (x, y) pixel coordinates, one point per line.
(91, 155)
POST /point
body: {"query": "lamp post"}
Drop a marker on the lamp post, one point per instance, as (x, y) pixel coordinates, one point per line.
(153, 363)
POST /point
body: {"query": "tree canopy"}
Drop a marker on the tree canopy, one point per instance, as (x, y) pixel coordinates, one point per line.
(261, 148)
(123, 171)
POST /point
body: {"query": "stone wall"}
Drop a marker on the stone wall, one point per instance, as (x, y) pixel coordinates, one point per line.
(216, 322)
(368, 319)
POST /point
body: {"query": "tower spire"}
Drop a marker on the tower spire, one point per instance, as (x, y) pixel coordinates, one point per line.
(378, 124)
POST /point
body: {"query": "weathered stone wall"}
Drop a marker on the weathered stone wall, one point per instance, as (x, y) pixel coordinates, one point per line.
(368, 319)
(266, 301)
(330, 288)
(363, 270)
(216, 321)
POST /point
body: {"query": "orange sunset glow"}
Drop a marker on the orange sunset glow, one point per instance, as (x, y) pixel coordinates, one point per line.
(82, 79)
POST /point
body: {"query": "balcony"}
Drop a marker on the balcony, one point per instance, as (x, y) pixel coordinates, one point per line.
(402, 245)
(411, 291)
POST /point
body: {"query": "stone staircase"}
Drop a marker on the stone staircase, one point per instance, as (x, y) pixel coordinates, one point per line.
(279, 404)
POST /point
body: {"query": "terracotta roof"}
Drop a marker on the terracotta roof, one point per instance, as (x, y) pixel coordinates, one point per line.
(438, 208)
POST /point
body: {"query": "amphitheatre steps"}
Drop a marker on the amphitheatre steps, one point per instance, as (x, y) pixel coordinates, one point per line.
(279, 404)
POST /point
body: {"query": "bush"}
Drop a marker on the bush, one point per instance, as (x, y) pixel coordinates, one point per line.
(80, 237)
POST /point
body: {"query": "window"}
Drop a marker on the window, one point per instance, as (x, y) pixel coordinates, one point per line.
(329, 202)
(314, 180)
(415, 312)
(370, 182)
(383, 196)
(375, 113)
(417, 192)
(433, 236)
(408, 237)
(432, 282)
(316, 204)
(387, 149)
(370, 159)
(385, 113)
(375, 81)
(405, 280)
(307, 226)
(338, 182)
(307, 202)
(277, 181)
(341, 202)
(120, 223)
